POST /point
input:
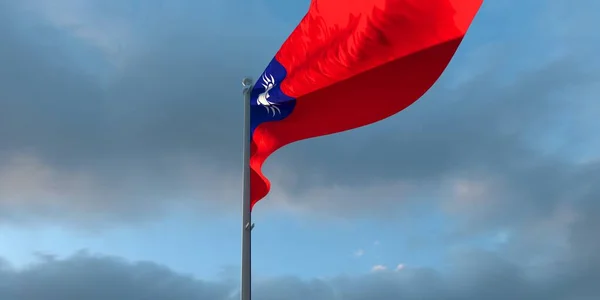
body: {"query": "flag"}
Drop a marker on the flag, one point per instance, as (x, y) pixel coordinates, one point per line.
(348, 64)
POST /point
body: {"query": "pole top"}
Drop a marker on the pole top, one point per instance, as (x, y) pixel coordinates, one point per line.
(247, 82)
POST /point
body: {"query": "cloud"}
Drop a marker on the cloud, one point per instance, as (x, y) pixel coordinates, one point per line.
(359, 253)
(89, 277)
(110, 139)
(378, 268)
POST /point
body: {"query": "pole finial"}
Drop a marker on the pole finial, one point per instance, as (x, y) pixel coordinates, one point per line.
(247, 82)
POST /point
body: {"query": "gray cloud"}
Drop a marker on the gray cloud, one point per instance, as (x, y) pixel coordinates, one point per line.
(164, 126)
(87, 277)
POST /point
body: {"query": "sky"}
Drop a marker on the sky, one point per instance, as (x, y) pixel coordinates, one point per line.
(120, 161)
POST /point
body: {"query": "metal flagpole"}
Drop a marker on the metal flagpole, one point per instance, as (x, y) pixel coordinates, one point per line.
(247, 225)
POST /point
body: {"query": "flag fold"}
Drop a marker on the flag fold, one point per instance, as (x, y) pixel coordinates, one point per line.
(349, 64)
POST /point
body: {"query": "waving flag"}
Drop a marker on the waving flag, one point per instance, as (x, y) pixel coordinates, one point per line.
(348, 64)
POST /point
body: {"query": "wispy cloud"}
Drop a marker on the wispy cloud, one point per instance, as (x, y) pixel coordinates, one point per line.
(359, 253)
(378, 268)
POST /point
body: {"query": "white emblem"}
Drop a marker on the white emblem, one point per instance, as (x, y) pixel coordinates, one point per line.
(263, 98)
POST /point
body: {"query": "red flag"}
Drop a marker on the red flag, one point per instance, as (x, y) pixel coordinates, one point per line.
(348, 64)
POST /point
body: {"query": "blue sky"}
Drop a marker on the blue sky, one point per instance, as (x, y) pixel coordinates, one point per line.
(120, 135)
(283, 244)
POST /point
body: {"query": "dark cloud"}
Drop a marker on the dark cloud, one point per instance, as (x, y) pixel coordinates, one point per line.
(162, 125)
(87, 277)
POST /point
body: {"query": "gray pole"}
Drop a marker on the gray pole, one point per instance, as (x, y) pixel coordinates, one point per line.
(247, 225)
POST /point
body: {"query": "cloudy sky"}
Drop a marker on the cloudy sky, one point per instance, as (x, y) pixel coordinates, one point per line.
(120, 139)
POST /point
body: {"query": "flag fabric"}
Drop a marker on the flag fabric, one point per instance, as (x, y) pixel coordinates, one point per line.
(348, 64)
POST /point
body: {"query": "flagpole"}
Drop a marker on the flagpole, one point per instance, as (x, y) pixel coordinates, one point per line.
(246, 270)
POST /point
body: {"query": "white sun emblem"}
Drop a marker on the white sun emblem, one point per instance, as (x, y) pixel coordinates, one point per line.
(263, 98)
